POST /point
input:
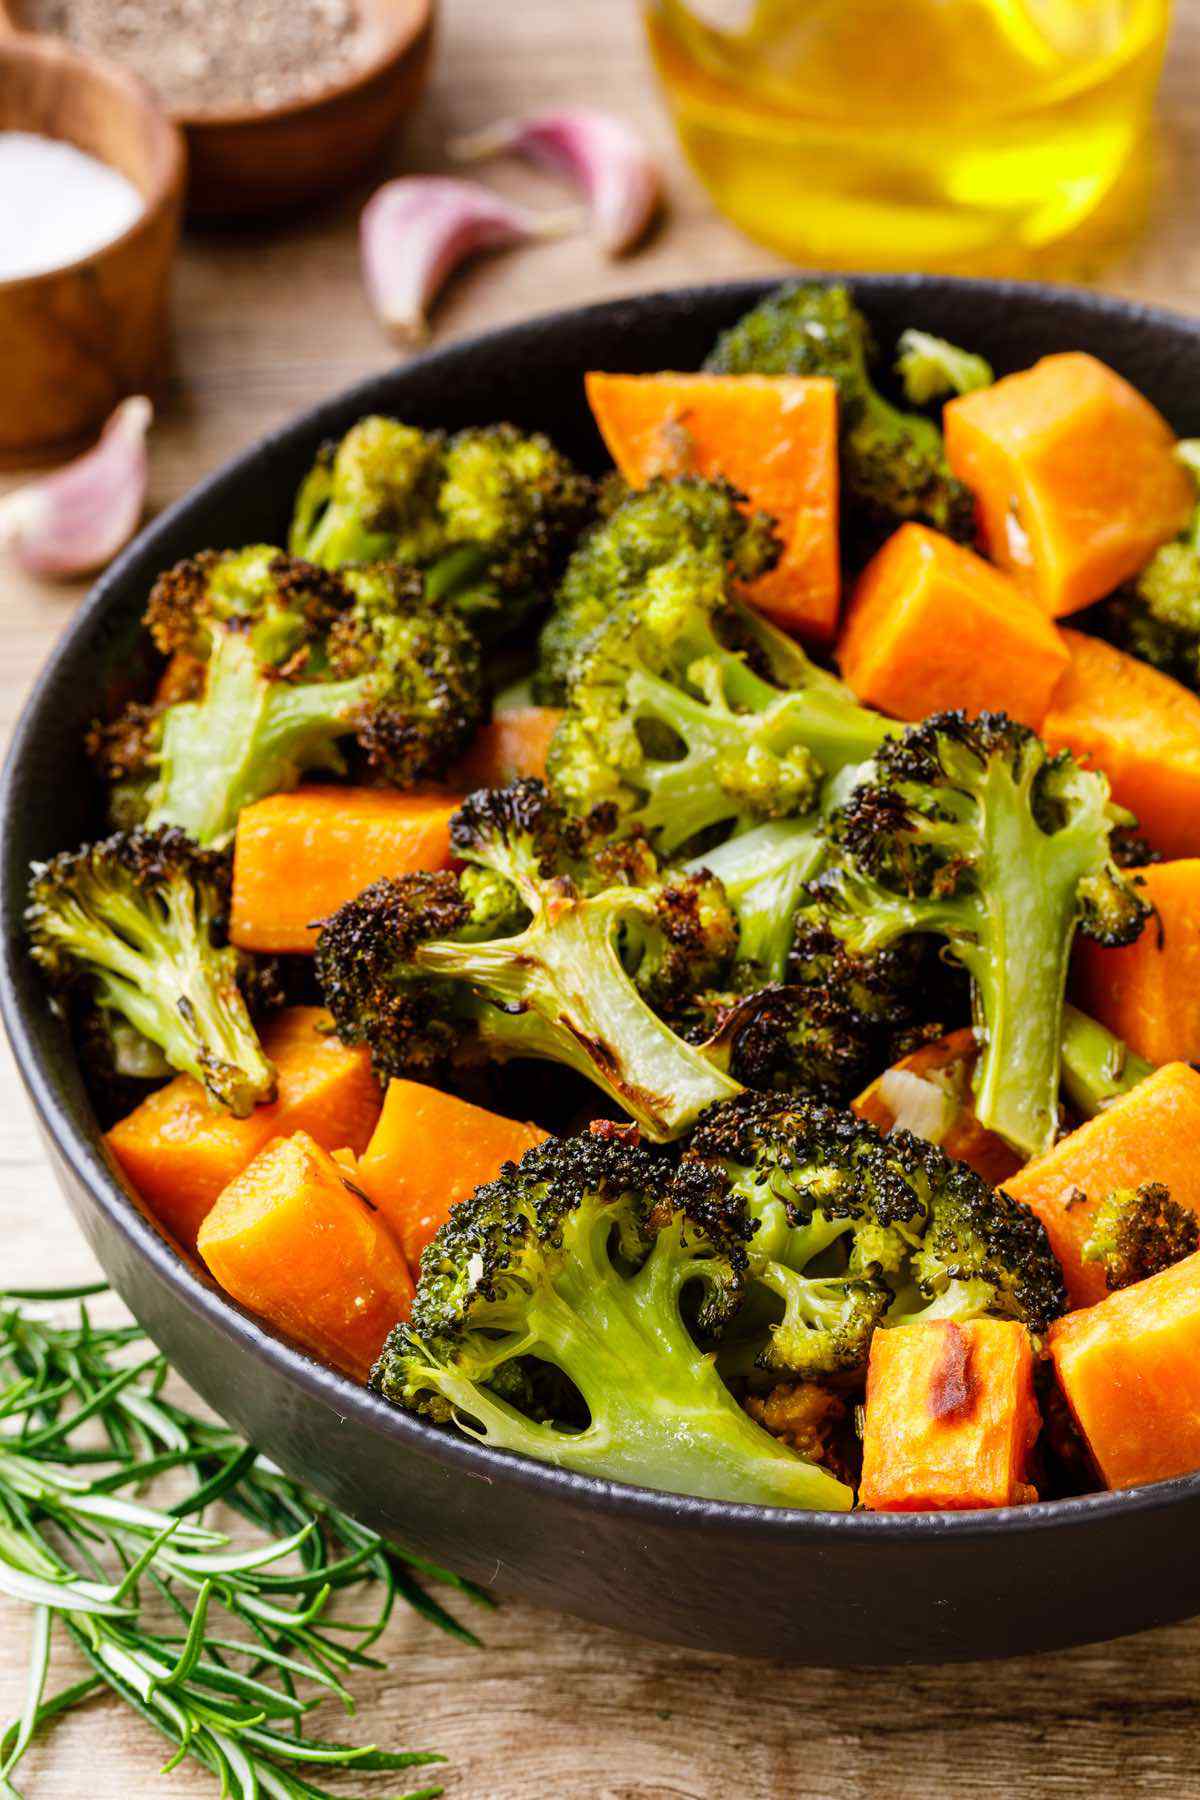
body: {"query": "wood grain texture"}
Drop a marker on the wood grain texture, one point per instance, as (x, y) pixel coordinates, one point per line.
(265, 325)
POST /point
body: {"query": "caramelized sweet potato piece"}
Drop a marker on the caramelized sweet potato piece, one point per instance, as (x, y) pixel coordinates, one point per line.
(179, 1150)
(1148, 992)
(1075, 476)
(1141, 728)
(1150, 1134)
(932, 626)
(299, 856)
(292, 1240)
(951, 1417)
(430, 1150)
(774, 437)
(1130, 1369)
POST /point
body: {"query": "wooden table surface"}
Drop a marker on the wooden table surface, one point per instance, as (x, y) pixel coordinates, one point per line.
(265, 325)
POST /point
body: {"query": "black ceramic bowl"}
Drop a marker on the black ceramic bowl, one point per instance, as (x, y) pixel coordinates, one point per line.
(815, 1588)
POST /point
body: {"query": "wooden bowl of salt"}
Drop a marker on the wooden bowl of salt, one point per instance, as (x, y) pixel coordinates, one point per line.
(97, 169)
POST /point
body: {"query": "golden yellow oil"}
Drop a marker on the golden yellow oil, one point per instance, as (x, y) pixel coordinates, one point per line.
(908, 133)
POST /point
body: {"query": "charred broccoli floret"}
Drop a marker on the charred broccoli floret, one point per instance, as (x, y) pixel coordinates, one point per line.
(486, 515)
(776, 1037)
(929, 368)
(579, 1258)
(1157, 616)
(857, 1231)
(969, 829)
(409, 969)
(893, 463)
(298, 665)
(139, 921)
(1137, 1232)
(689, 715)
(642, 532)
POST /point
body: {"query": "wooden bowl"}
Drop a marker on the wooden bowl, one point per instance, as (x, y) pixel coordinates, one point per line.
(79, 338)
(253, 161)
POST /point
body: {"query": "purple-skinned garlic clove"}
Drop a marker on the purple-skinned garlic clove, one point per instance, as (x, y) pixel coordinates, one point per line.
(75, 520)
(602, 154)
(415, 231)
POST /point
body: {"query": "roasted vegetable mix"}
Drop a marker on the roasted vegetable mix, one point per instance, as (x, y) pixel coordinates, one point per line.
(729, 946)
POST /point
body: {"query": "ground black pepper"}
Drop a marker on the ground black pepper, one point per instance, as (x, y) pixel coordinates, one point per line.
(214, 55)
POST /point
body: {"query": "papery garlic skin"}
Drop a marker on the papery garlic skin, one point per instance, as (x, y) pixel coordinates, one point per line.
(416, 230)
(76, 519)
(602, 154)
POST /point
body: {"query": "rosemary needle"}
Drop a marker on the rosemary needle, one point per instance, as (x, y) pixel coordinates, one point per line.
(225, 1648)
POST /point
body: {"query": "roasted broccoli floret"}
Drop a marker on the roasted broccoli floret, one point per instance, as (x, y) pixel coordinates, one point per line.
(644, 531)
(764, 873)
(138, 921)
(298, 666)
(1135, 1233)
(893, 463)
(793, 1039)
(690, 715)
(971, 830)
(1157, 616)
(579, 1258)
(930, 368)
(858, 1231)
(487, 515)
(590, 941)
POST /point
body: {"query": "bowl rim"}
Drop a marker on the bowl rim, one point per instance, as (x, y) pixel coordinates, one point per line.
(167, 149)
(84, 1156)
(401, 37)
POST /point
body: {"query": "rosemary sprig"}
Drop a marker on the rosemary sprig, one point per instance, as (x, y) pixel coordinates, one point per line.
(85, 1429)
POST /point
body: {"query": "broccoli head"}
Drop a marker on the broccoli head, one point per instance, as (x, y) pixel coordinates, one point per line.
(1138, 1232)
(969, 829)
(644, 531)
(691, 716)
(547, 945)
(929, 368)
(579, 1258)
(893, 463)
(487, 516)
(1157, 616)
(297, 666)
(138, 922)
(857, 1231)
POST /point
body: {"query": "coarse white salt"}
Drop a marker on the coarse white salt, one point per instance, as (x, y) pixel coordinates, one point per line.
(57, 204)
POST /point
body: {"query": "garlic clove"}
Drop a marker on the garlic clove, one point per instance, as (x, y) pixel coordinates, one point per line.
(75, 520)
(601, 153)
(416, 230)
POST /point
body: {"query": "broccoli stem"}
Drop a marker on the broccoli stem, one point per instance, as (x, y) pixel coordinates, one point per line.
(764, 873)
(250, 736)
(1029, 885)
(612, 1335)
(1097, 1068)
(559, 991)
(168, 982)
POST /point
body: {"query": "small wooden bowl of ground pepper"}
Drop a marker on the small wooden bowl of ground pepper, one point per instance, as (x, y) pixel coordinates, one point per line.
(281, 101)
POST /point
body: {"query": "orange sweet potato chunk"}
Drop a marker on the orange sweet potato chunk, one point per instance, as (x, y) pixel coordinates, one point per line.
(1130, 1369)
(297, 857)
(1148, 992)
(179, 1150)
(1150, 1134)
(430, 1150)
(950, 1418)
(931, 625)
(1141, 728)
(1075, 477)
(514, 744)
(772, 436)
(292, 1241)
(949, 1064)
